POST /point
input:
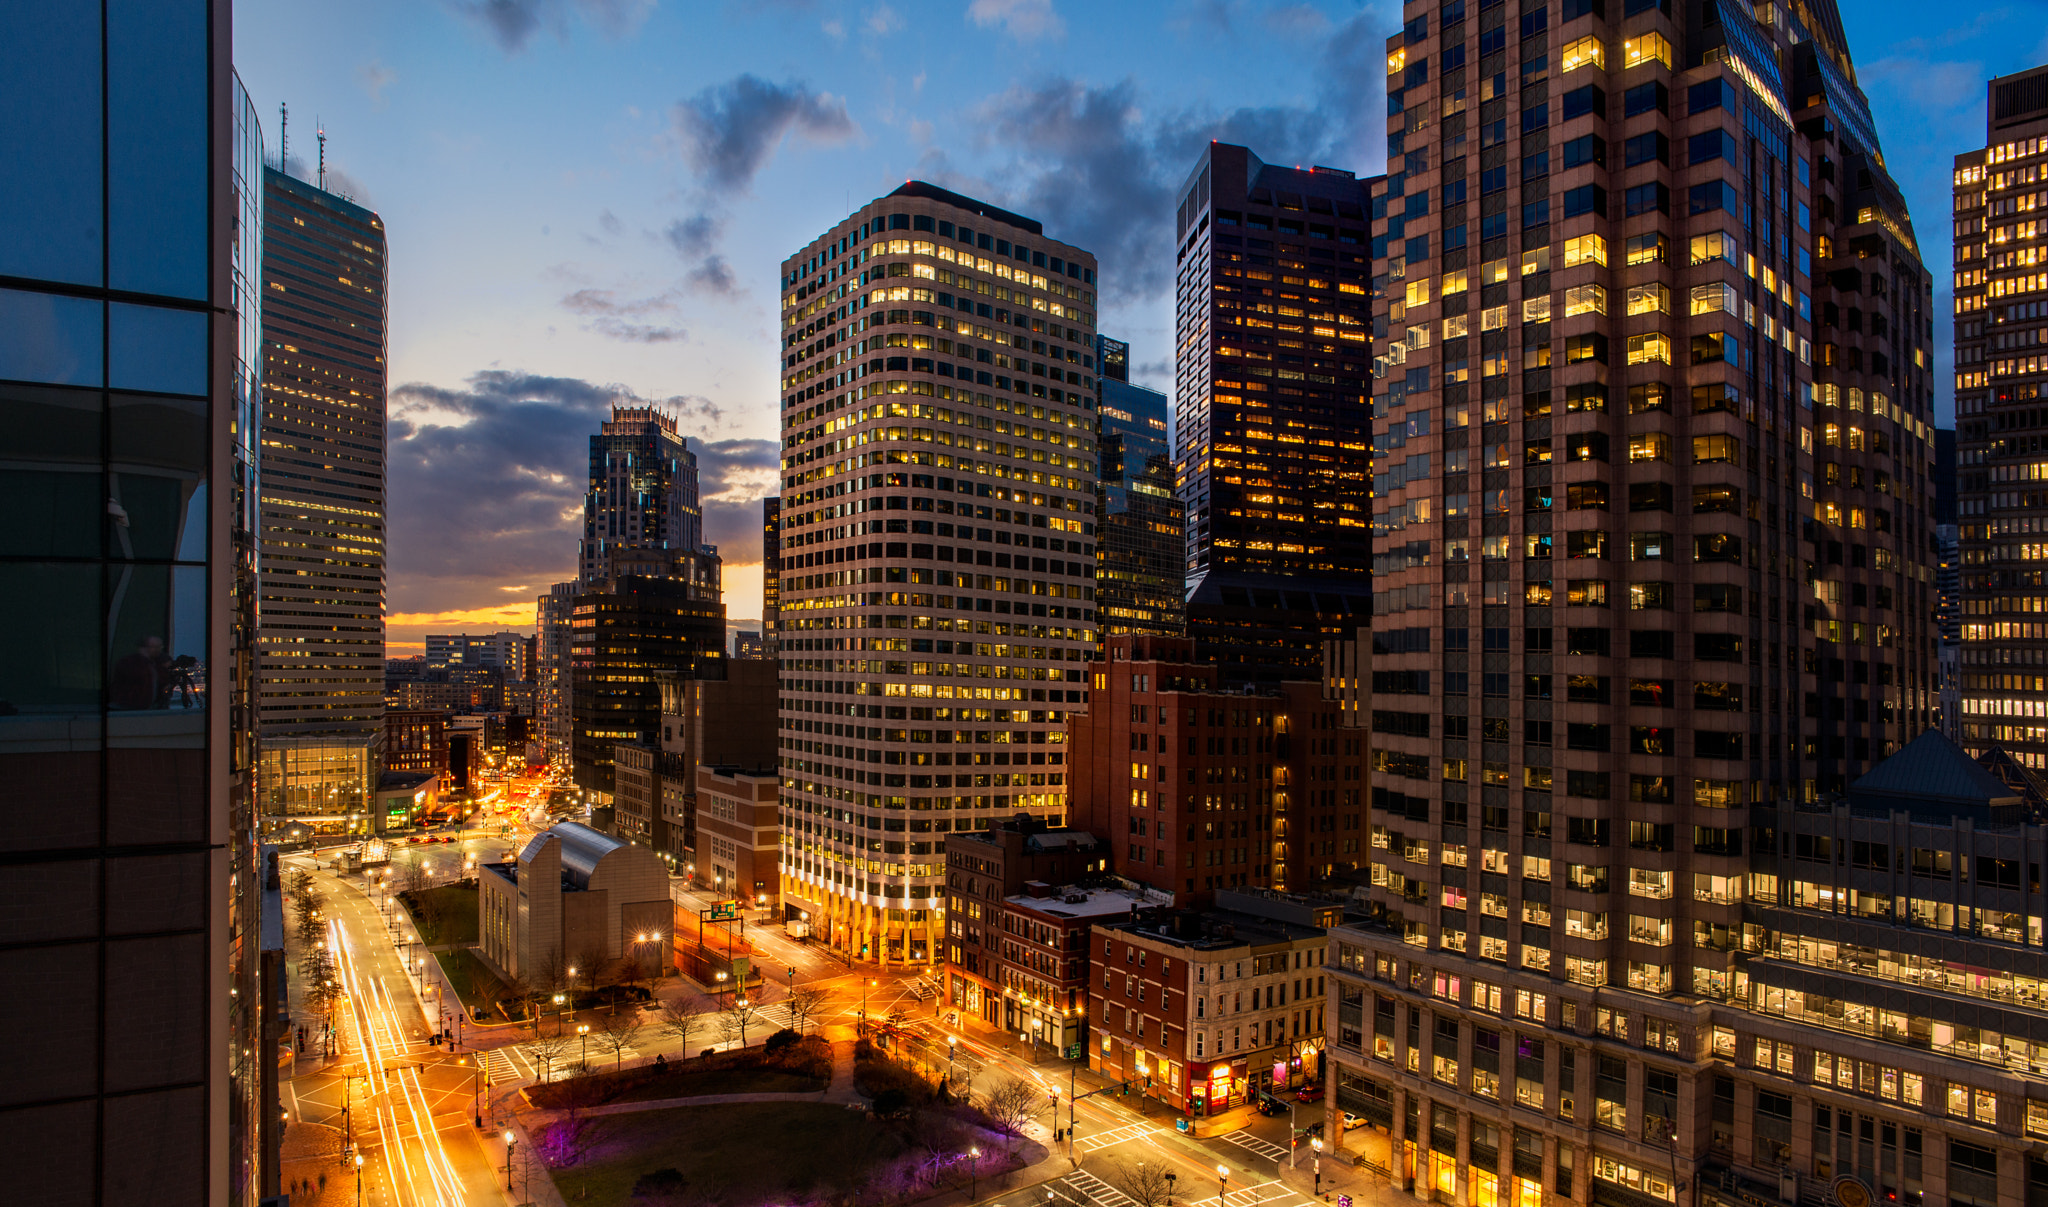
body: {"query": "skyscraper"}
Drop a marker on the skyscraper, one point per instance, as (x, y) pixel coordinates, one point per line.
(937, 544)
(643, 490)
(128, 229)
(1679, 517)
(1272, 325)
(2001, 365)
(552, 670)
(1140, 528)
(771, 569)
(320, 635)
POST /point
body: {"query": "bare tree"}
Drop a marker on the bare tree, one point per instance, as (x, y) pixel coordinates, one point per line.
(681, 1016)
(737, 1018)
(617, 1031)
(547, 1050)
(590, 968)
(413, 876)
(805, 1005)
(1010, 1104)
(1148, 1185)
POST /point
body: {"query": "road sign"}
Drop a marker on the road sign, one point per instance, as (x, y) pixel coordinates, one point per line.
(722, 911)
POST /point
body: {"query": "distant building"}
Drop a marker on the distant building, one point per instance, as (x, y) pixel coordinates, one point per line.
(1140, 526)
(1275, 433)
(1202, 1011)
(642, 492)
(708, 720)
(739, 833)
(552, 671)
(749, 645)
(416, 740)
(505, 652)
(625, 629)
(574, 898)
(771, 571)
(636, 793)
(1200, 788)
(987, 974)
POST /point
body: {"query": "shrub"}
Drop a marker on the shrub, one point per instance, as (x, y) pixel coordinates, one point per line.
(780, 1040)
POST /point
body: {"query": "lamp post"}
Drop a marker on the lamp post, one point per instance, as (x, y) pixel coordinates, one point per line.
(1317, 1145)
(1170, 1179)
(510, 1140)
(974, 1172)
(952, 1047)
(1222, 1184)
(583, 1029)
(558, 1014)
(359, 1180)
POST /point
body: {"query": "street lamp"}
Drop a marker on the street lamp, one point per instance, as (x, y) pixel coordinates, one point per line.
(1170, 1178)
(510, 1140)
(1222, 1184)
(974, 1171)
(1317, 1144)
(952, 1047)
(583, 1029)
(359, 1180)
(558, 1014)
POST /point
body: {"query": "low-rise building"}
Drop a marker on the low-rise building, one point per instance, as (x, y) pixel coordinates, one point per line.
(416, 740)
(985, 868)
(572, 898)
(1042, 960)
(1203, 1010)
(739, 833)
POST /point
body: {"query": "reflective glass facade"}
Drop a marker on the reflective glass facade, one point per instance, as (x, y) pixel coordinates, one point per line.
(1141, 526)
(125, 226)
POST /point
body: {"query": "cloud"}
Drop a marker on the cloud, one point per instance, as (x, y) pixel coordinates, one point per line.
(375, 77)
(1102, 172)
(610, 316)
(884, 21)
(1024, 20)
(729, 131)
(512, 24)
(714, 275)
(487, 484)
(1296, 20)
(694, 236)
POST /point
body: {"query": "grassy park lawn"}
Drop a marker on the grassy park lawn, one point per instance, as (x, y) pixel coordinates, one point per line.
(803, 1068)
(446, 914)
(728, 1156)
(473, 980)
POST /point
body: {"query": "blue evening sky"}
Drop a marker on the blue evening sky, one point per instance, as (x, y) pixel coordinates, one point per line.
(589, 200)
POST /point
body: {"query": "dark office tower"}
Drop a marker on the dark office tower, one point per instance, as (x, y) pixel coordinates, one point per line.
(2001, 370)
(643, 490)
(553, 672)
(1140, 529)
(771, 569)
(937, 548)
(1658, 342)
(320, 695)
(127, 231)
(1272, 371)
(625, 630)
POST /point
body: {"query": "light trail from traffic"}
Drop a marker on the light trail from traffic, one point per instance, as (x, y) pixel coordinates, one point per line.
(416, 1165)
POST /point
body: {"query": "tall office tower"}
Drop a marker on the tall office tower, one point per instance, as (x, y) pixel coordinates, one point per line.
(643, 490)
(1140, 526)
(503, 651)
(1272, 325)
(2001, 367)
(126, 245)
(1684, 534)
(771, 569)
(553, 674)
(320, 634)
(937, 549)
(652, 615)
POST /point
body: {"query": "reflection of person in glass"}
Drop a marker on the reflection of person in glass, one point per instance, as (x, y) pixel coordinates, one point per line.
(143, 679)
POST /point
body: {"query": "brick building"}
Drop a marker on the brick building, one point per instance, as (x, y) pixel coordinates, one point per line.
(636, 793)
(984, 870)
(1197, 788)
(739, 832)
(724, 718)
(1204, 1010)
(416, 740)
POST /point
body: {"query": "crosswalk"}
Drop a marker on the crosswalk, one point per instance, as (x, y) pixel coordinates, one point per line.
(1264, 1194)
(1095, 1190)
(1115, 1135)
(1250, 1143)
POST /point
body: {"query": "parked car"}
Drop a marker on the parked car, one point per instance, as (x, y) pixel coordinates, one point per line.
(1310, 1093)
(1267, 1104)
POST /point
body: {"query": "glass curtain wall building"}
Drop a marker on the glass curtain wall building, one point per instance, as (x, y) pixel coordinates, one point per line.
(1140, 525)
(1273, 327)
(643, 490)
(2001, 367)
(937, 543)
(320, 701)
(124, 736)
(1659, 364)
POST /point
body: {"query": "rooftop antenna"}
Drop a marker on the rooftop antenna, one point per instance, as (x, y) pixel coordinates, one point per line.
(320, 131)
(284, 136)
